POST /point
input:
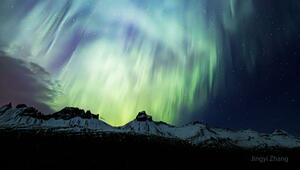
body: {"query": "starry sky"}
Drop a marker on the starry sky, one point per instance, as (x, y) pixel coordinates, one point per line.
(228, 63)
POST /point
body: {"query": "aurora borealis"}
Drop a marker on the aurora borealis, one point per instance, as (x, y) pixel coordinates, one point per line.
(118, 57)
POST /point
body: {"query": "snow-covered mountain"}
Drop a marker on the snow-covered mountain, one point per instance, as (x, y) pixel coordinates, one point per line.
(68, 118)
(199, 134)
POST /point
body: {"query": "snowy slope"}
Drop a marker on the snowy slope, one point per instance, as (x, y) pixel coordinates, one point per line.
(143, 124)
(26, 117)
(198, 133)
(74, 119)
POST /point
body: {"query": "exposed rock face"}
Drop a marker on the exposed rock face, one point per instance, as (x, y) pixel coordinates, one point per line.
(65, 114)
(71, 112)
(21, 106)
(142, 116)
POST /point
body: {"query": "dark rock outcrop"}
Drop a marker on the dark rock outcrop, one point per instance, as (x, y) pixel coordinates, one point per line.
(65, 114)
(21, 106)
(142, 116)
(71, 112)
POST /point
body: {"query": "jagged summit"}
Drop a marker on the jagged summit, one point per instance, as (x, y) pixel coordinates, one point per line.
(142, 116)
(71, 112)
(70, 117)
(20, 106)
(66, 113)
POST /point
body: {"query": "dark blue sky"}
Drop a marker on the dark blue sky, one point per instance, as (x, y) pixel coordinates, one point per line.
(267, 97)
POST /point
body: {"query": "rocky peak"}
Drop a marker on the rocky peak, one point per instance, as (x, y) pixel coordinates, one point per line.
(5, 107)
(71, 112)
(65, 114)
(21, 106)
(142, 116)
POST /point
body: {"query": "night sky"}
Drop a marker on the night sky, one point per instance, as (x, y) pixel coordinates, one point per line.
(268, 95)
(230, 64)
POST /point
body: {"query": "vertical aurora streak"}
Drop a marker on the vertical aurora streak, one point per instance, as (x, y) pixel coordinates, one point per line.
(119, 57)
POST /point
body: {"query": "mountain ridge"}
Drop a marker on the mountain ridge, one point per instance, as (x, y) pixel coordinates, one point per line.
(75, 120)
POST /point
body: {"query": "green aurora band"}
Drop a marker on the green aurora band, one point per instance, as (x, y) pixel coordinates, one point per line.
(118, 57)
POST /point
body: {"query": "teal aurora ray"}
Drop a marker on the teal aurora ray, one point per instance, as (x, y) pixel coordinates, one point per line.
(117, 57)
